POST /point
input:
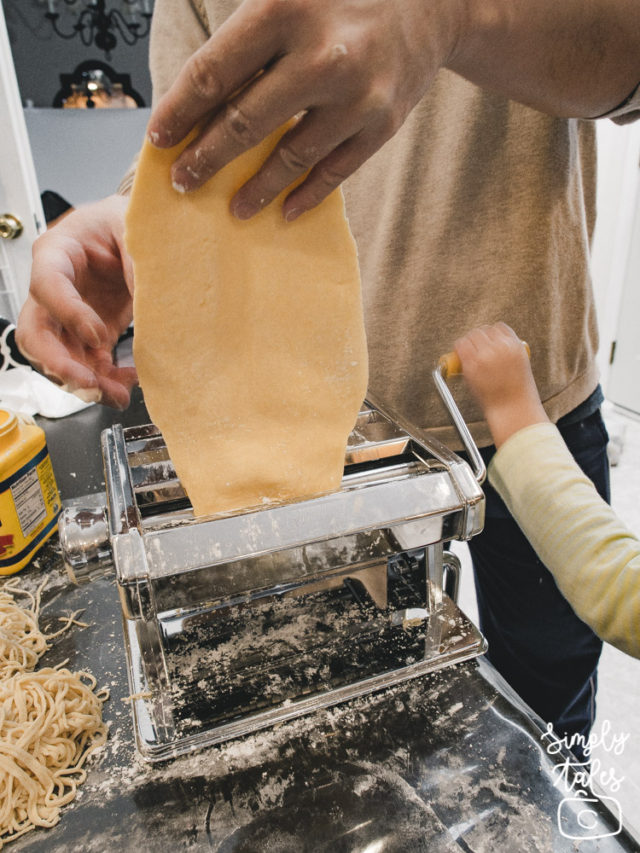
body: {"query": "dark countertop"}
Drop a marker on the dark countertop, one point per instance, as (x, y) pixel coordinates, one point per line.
(74, 445)
(450, 761)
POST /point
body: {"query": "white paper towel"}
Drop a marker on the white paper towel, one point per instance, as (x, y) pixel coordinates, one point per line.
(26, 392)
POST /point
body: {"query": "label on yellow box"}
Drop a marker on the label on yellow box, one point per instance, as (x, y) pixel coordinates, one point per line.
(29, 499)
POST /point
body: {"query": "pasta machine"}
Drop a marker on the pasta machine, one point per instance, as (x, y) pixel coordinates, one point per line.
(236, 622)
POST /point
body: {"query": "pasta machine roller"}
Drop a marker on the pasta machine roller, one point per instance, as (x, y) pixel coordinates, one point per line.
(235, 622)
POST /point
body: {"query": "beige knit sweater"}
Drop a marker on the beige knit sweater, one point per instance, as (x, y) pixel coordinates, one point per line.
(479, 209)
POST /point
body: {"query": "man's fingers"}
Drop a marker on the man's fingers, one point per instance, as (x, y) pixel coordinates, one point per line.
(98, 381)
(360, 66)
(51, 357)
(115, 386)
(75, 315)
(329, 173)
(234, 54)
(53, 289)
(299, 150)
(252, 116)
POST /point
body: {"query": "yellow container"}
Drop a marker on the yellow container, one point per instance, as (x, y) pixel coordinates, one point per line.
(29, 499)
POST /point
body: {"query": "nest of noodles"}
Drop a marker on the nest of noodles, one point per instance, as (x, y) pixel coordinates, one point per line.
(50, 722)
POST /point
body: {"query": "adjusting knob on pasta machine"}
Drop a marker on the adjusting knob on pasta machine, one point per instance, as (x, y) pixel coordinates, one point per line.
(84, 540)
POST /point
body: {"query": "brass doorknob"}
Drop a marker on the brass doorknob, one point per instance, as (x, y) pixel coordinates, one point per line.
(10, 226)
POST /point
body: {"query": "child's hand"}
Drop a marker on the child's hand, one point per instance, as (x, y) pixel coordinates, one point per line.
(496, 367)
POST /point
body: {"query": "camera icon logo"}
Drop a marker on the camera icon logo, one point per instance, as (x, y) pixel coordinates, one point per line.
(578, 817)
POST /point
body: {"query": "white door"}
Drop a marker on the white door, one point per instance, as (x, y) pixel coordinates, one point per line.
(623, 387)
(20, 205)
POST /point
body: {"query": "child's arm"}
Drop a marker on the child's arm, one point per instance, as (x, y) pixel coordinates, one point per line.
(593, 557)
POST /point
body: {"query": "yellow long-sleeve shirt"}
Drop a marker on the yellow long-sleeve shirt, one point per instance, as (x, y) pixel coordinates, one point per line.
(592, 555)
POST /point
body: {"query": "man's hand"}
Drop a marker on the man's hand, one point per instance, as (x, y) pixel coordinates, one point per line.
(349, 70)
(80, 302)
(346, 74)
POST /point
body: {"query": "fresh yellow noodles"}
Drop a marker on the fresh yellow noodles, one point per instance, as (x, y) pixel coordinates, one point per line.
(21, 641)
(50, 721)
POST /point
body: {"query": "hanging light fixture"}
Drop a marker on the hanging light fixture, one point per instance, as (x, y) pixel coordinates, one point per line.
(95, 24)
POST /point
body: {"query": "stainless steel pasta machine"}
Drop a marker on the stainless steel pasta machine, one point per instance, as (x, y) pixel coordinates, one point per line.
(235, 622)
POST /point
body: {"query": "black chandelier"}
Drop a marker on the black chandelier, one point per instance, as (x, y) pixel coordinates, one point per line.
(95, 24)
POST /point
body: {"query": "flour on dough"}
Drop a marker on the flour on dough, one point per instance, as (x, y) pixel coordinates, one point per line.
(249, 336)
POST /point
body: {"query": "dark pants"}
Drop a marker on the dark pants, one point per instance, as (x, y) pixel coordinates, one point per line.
(536, 641)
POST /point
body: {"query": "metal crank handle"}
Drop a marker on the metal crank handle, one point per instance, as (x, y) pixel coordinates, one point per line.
(449, 365)
(477, 462)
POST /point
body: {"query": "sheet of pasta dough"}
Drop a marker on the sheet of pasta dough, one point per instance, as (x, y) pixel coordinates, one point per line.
(249, 336)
